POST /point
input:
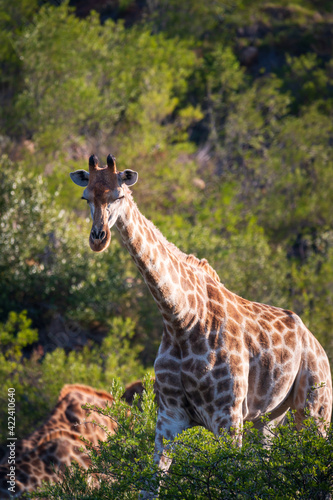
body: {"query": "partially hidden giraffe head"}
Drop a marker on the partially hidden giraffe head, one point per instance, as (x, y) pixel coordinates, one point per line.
(105, 195)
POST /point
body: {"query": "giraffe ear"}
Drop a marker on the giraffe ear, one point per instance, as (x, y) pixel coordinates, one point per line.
(80, 177)
(128, 177)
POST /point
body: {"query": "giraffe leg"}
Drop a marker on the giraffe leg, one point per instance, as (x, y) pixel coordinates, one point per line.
(169, 425)
(267, 429)
(230, 419)
(313, 392)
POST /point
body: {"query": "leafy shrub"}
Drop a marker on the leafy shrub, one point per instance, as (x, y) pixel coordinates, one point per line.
(96, 74)
(38, 379)
(292, 464)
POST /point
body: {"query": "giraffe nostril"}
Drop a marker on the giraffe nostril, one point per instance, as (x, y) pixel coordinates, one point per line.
(97, 235)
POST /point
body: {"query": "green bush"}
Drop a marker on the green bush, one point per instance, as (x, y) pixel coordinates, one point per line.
(38, 379)
(96, 74)
(292, 464)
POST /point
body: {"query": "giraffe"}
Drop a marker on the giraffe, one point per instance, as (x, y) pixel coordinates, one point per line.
(131, 390)
(137, 388)
(57, 442)
(223, 360)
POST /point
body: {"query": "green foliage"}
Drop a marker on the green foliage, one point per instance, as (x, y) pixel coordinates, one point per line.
(106, 75)
(309, 79)
(38, 379)
(195, 18)
(292, 464)
(96, 364)
(13, 19)
(14, 335)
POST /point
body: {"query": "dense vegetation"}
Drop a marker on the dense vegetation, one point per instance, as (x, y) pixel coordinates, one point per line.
(292, 465)
(224, 108)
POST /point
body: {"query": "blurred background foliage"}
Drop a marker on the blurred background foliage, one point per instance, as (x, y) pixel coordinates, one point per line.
(224, 108)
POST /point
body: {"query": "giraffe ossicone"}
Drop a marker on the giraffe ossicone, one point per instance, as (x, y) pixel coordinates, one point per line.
(223, 360)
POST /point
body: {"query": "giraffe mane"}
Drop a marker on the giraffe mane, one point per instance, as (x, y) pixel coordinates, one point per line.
(68, 388)
(203, 264)
(191, 259)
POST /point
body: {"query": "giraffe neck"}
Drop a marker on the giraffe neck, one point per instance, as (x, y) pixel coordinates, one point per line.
(165, 269)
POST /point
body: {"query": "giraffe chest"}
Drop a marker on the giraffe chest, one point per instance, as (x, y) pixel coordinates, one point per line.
(196, 380)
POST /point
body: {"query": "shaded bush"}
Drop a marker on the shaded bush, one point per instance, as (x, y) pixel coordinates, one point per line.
(37, 380)
(292, 464)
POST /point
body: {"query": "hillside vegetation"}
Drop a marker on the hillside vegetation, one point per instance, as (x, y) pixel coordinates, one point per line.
(223, 107)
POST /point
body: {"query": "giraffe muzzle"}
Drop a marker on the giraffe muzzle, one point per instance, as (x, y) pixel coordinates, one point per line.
(98, 235)
(99, 239)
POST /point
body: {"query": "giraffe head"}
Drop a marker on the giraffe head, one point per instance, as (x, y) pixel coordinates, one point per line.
(105, 194)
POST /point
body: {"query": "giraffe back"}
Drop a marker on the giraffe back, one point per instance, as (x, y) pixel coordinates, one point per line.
(58, 441)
